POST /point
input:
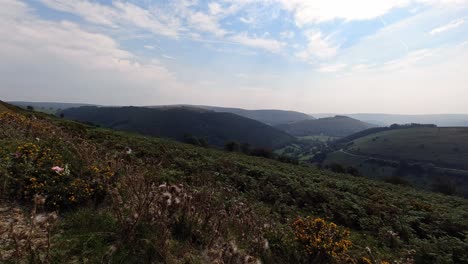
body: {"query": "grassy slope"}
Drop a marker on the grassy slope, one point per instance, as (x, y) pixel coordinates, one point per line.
(3, 108)
(434, 225)
(367, 207)
(338, 126)
(442, 146)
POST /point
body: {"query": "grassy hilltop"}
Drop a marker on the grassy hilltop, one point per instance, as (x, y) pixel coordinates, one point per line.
(439, 145)
(338, 126)
(428, 157)
(125, 198)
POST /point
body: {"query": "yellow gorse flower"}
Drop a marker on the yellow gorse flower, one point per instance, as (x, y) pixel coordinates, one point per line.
(321, 238)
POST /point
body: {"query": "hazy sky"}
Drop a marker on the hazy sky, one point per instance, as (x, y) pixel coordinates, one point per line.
(342, 56)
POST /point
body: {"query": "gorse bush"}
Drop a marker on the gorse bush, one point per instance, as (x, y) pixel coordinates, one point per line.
(324, 242)
(43, 163)
(33, 170)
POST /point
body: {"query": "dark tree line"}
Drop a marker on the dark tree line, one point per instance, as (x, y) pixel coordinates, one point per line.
(268, 153)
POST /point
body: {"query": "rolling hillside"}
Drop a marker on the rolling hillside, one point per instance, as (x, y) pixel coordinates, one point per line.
(443, 120)
(47, 107)
(270, 117)
(176, 122)
(167, 202)
(441, 146)
(421, 156)
(3, 107)
(338, 126)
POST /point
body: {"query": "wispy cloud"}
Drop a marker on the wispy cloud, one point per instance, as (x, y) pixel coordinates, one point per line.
(319, 11)
(119, 14)
(271, 45)
(205, 23)
(70, 52)
(318, 46)
(107, 47)
(452, 25)
(168, 57)
(331, 68)
(287, 34)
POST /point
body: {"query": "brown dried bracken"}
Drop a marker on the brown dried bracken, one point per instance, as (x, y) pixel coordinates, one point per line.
(23, 238)
(138, 200)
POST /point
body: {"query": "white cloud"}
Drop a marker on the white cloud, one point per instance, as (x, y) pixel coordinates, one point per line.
(452, 25)
(318, 46)
(65, 61)
(331, 68)
(120, 14)
(11, 9)
(168, 57)
(205, 23)
(155, 21)
(287, 34)
(257, 42)
(317, 11)
(409, 60)
(62, 57)
(90, 11)
(215, 8)
(245, 20)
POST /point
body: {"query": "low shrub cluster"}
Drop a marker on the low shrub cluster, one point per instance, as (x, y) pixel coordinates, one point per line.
(44, 160)
(324, 242)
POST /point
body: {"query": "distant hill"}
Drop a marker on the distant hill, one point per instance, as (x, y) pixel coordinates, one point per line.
(420, 156)
(338, 126)
(441, 146)
(270, 117)
(47, 107)
(176, 122)
(442, 120)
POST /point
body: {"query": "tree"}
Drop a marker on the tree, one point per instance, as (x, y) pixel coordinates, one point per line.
(338, 168)
(30, 108)
(232, 146)
(353, 171)
(444, 185)
(262, 152)
(397, 180)
(192, 140)
(245, 148)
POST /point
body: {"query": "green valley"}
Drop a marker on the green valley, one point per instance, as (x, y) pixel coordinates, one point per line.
(104, 196)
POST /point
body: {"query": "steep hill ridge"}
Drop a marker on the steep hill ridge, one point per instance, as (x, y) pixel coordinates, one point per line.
(271, 117)
(178, 121)
(338, 126)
